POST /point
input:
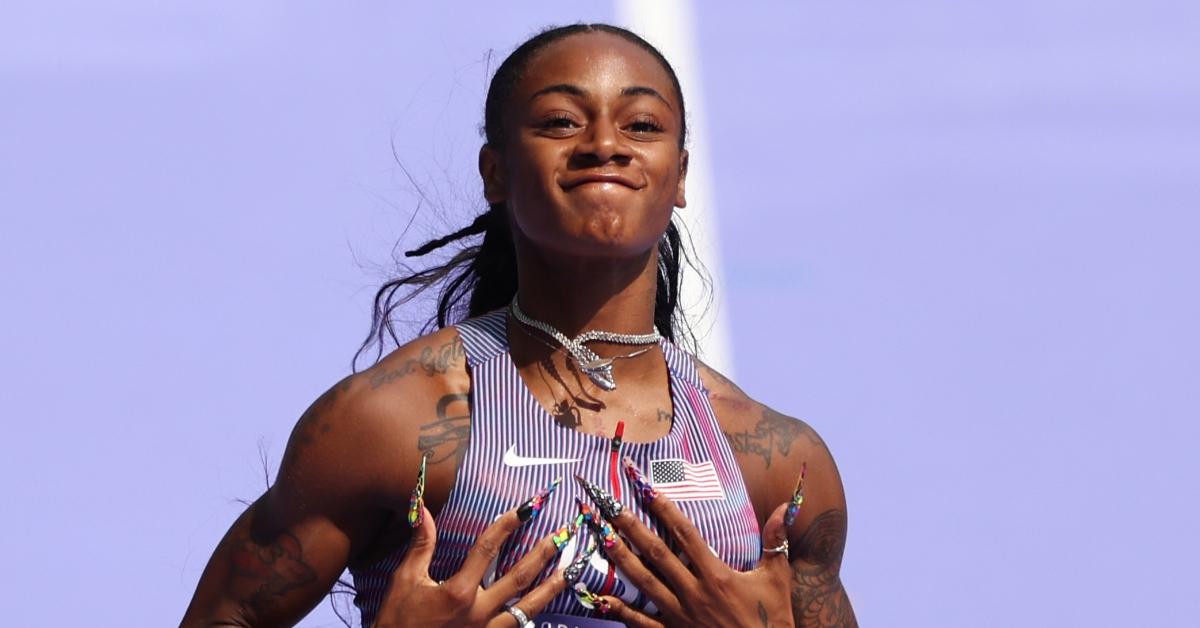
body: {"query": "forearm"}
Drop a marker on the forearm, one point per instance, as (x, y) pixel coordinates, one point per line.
(257, 579)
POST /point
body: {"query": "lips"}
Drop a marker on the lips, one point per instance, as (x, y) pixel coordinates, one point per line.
(600, 177)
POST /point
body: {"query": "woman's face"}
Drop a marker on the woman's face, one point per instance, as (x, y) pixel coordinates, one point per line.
(591, 165)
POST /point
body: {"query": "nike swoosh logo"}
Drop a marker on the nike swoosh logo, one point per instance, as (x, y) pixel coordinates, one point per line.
(513, 460)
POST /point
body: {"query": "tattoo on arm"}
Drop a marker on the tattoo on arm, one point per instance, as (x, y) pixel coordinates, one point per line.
(448, 435)
(278, 567)
(774, 433)
(818, 598)
(432, 361)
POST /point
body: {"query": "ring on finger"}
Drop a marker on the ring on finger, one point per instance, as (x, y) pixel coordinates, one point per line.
(522, 619)
(782, 548)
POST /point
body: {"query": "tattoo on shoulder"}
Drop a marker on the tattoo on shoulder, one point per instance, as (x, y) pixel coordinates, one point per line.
(448, 435)
(431, 361)
(314, 422)
(818, 597)
(277, 566)
(774, 433)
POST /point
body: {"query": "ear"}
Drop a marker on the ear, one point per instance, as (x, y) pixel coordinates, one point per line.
(491, 170)
(680, 197)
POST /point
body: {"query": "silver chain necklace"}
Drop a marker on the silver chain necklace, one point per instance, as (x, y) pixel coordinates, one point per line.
(598, 369)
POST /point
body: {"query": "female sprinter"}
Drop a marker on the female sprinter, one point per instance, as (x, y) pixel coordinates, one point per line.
(512, 469)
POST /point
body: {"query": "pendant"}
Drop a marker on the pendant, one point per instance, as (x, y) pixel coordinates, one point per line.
(600, 372)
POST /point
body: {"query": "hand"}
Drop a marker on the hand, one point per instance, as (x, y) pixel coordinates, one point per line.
(414, 599)
(709, 593)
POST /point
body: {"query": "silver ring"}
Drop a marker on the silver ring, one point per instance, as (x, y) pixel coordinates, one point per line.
(522, 618)
(782, 549)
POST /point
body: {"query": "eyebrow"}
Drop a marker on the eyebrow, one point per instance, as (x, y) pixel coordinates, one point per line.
(575, 90)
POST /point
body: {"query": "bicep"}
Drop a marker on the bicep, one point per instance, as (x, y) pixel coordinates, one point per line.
(818, 597)
(285, 552)
(818, 539)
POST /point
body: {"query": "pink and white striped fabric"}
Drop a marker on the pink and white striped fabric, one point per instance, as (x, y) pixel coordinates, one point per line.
(505, 418)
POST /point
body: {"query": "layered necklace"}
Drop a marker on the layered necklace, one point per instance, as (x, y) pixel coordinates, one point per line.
(598, 369)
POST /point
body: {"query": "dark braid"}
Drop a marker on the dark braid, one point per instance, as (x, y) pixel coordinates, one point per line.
(485, 274)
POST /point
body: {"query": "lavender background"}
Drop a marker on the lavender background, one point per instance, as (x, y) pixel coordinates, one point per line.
(960, 239)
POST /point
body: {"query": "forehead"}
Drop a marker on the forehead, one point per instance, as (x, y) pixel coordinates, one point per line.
(600, 62)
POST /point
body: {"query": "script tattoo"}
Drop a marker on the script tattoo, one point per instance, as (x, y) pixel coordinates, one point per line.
(818, 598)
(773, 433)
(278, 567)
(447, 437)
(432, 361)
(314, 422)
(663, 415)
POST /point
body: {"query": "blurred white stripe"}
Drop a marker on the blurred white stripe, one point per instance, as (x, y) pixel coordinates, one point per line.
(669, 25)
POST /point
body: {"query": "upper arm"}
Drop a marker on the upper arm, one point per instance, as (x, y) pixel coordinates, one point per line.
(284, 553)
(771, 449)
(818, 539)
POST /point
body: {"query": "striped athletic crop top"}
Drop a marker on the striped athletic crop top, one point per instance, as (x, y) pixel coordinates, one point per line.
(692, 463)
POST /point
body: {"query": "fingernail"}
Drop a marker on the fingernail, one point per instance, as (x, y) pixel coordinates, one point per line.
(585, 515)
(416, 500)
(563, 535)
(589, 600)
(608, 506)
(797, 498)
(533, 506)
(643, 486)
(574, 570)
(608, 536)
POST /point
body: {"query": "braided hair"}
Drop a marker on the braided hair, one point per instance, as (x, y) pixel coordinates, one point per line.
(482, 277)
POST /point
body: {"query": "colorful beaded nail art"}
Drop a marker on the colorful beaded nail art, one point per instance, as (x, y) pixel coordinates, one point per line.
(533, 506)
(797, 498)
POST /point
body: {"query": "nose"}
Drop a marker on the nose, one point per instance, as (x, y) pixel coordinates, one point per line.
(602, 142)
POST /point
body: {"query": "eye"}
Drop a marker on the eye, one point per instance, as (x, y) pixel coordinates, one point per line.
(645, 126)
(557, 123)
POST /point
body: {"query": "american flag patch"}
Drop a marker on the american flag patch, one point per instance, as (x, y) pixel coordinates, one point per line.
(683, 481)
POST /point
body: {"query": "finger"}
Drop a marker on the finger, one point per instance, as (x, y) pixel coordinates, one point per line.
(689, 538)
(618, 610)
(485, 550)
(526, 571)
(487, 545)
(420, 548)
(657, 553)
(533, 602)
(652, 548)
(774, 541)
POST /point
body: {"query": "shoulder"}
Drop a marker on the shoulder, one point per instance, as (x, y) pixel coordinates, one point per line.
(365, 433)
(771, 449)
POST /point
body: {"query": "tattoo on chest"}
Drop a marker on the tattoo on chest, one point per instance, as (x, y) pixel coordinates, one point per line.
(774, 433)
(818, 598)
(432, 361)
(447, 436)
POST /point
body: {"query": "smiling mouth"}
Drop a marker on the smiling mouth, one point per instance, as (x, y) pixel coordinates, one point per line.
(614, 179)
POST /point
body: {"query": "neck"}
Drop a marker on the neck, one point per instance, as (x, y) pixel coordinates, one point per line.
(578, 295)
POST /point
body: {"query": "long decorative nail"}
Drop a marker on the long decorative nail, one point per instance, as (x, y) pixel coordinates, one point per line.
(533, 506)
(585, 516)
(574, 570)
(797, 498)
(608, 506)
(416, 500)
(590, 600)
(563, 535)
(640, 482)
